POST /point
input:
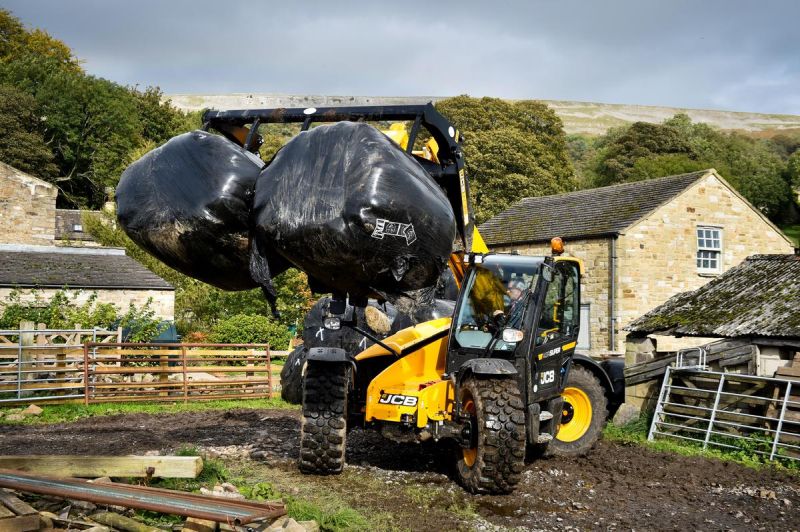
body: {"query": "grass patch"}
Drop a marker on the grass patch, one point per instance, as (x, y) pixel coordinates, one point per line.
(793, 232)
(336, 517)
(73, 412)
(306, 497)
(635, 433)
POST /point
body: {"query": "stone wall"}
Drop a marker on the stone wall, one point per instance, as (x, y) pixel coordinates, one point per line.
(594, 283)
(27, 208)
(657, 256)
(163, 300)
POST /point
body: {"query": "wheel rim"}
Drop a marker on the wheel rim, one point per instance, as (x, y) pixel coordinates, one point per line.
(577, 415)
(471, 454)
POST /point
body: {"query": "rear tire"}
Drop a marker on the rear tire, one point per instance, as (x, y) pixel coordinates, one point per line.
(583, 416)
(324, 427)
(495, 464)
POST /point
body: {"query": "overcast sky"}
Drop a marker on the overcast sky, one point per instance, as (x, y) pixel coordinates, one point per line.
(726, 54)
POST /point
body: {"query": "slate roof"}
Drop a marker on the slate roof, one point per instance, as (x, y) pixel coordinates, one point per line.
(66, 221)
(587, 213)
(759, 297)
(56, 267)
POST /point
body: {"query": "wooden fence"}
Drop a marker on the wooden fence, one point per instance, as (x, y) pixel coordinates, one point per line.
(169, 372)
(92, 366)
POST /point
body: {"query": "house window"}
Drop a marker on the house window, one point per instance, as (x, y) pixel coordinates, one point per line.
(78, 228)
(584, 335)
(709, 249)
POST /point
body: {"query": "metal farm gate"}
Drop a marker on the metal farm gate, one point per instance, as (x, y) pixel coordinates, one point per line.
(758, 414)
(45, 365)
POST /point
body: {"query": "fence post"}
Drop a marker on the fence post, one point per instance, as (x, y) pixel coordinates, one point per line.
(183, 365)
(85, 374)
(25, 360)
(163, 377)
(269, 374)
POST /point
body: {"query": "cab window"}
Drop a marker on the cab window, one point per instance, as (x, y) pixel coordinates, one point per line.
(561, 308)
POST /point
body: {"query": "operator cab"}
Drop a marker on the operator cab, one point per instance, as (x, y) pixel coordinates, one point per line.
(496, 296)
(523, 309)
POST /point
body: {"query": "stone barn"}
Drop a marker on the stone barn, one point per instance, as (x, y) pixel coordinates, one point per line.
(36, 252)
(641, 242)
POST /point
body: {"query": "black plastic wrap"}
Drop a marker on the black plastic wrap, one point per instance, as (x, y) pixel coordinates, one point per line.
(188, 203)
(350, 208)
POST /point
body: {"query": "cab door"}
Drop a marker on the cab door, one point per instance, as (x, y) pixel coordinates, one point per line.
(556, 332)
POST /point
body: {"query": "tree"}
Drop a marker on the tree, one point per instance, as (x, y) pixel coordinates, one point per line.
(22, 144)
(513, 150)
(644, 151)
(793, 169)
(91, 125)
(642, 140)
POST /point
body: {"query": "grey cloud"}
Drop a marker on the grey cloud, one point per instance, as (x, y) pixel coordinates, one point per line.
(736, 55)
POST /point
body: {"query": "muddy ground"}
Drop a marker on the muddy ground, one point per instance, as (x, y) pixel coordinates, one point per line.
(407, 486)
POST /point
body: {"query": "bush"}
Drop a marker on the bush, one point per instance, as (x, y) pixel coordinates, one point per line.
(246, 329)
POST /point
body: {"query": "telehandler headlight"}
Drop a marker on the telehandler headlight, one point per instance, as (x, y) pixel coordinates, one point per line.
(512, 336)
(332, 323)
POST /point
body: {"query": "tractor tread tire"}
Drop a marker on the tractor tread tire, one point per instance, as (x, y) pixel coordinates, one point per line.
(584, 379)
(501, 436)
(324, 425)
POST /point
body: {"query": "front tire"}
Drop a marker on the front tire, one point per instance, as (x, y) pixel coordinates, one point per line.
(495, 463)
(324, 427)
(583, 415)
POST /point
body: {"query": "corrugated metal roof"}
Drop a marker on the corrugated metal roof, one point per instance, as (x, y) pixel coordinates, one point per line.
(759, 297)
(586, 213)
(56, 267)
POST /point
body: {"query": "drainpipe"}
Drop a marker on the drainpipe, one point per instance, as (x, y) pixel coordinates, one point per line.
(612, 272)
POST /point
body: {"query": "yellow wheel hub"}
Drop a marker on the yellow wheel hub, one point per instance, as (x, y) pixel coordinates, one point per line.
(471, 454)
(577, 415)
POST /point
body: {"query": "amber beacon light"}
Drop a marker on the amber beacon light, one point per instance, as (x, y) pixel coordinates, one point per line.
(557, 245)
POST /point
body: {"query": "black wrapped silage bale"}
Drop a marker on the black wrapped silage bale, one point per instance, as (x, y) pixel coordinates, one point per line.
(346, 205)
(188, 203)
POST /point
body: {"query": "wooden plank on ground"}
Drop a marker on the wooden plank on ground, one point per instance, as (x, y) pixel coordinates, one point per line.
(21, 523)
(106, 466)
(15, 505)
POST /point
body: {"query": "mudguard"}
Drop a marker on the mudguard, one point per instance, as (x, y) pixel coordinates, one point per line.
(610, 374)
(485, 366)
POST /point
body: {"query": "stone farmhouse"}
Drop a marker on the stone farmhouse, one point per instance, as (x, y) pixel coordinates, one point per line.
(38, 249)
(641, 243)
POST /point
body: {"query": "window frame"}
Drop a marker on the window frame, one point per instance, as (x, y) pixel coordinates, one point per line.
(708, 249)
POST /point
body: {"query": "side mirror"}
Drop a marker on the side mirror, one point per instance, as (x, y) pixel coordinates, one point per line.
(547, 272)
(512, 336)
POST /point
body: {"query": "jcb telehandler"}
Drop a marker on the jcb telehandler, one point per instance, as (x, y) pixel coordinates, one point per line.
(500, 378)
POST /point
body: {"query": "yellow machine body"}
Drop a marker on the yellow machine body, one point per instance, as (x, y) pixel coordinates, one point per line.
(411, 387)
(412, 384)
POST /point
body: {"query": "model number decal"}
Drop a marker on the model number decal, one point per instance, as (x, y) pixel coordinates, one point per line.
(397, 399)
(546, 377)
(554, 351)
